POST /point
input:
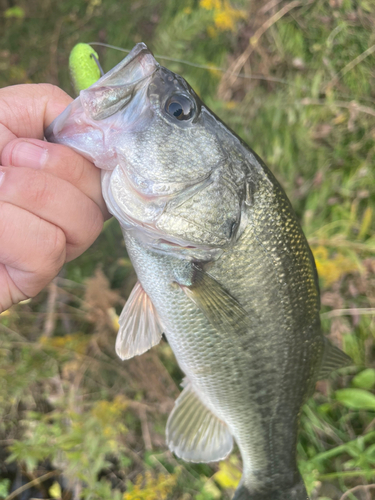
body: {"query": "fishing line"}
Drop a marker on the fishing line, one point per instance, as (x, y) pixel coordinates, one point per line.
(98, 63)
(223, 70)
(202, 66)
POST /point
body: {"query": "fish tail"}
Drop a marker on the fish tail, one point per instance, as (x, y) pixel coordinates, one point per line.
(297, 492)
(242, 493)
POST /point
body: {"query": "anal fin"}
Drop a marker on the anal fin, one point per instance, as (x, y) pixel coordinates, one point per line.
(194, 433)
(139, 325)
(333, 359)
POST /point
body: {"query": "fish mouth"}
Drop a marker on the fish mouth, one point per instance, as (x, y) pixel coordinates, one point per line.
(78, 126)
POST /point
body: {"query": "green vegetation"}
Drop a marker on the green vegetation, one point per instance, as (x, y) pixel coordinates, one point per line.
(90, 426)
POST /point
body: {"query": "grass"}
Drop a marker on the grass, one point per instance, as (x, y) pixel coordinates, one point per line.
(89, 426)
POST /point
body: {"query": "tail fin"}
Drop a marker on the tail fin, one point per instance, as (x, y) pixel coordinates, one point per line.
(297, 492)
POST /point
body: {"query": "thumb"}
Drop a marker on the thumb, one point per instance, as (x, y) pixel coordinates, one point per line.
(26, 110)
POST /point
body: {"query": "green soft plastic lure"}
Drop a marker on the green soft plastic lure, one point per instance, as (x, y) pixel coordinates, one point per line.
(84, 66)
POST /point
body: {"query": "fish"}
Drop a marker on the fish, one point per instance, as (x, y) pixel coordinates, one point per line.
(224, 269)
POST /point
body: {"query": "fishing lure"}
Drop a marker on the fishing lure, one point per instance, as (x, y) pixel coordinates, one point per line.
(84, 67)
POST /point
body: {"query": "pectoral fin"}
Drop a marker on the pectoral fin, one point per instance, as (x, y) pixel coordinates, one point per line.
(194, 433)
(139, 325)
(220, 308)
(333, 359)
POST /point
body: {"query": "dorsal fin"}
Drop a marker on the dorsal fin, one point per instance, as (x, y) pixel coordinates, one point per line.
(139, 325)
(333, 359)
(194, 433)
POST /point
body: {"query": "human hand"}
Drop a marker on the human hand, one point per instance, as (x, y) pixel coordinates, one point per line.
(51, 206)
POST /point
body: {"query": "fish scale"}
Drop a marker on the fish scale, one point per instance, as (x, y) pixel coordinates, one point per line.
(223, 266)
(226, 388)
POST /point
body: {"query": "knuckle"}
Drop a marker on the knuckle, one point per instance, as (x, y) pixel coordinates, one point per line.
(86, 232)
(38, 188)
(94, 225)
(97, 222)
(57, 246)
(3, 218)
(8, 228)
(52, 244)
(49, 90)
(5, 109)
(74, 167)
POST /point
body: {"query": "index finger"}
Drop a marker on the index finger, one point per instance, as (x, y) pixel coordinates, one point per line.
(26, 110)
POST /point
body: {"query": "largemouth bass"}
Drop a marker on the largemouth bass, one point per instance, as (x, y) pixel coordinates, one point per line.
(224, 269)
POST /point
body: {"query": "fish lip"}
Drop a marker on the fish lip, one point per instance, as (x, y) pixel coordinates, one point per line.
(123, 73)
(134, 53)
(145, 61)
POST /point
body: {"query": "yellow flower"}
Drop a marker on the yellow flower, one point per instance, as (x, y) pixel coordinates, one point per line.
(113, 316)
(75, 342)
(231, 104)
(228, 475)
(332, 268)
(210, 4)
(150, 488)
(225, 16)
(224, 20)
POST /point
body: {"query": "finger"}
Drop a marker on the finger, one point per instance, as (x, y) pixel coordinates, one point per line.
(56, 201)
(58, 160)
(27, 272)
(26, 110)
(9, 293)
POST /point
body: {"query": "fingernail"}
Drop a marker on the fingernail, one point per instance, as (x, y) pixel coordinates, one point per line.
(2, 174)
(26, 154)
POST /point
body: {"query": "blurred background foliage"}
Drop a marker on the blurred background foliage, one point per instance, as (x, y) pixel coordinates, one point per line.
(75, 422)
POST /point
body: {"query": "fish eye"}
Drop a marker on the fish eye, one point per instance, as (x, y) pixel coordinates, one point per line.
(180, 107)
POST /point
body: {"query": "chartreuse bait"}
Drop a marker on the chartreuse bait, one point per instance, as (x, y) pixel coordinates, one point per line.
(83, 66)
